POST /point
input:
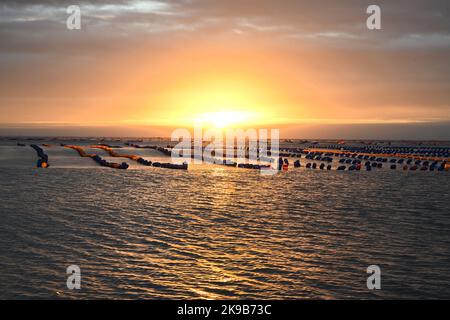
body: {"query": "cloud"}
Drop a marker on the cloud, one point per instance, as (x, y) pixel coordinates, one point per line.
(402, 68)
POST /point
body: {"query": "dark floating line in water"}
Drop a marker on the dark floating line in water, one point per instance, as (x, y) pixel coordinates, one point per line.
(98, 159)
(43, 157)
(396, 158)
(375, 157)
(124, 165)
(164, 151)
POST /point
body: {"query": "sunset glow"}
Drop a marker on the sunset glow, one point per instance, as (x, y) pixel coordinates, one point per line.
(263, 154)
(154, 66)
(225, 119)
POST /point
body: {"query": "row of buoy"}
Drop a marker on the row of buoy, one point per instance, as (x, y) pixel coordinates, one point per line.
(136, 158)
(236, 151)
(226, 163)
(283, 164)
(374, 165)
(319, 157)
(193, 156)
(382, 155)
(355, 159)
(223, 162)
(353, 167)
(393, 161)
(112, 153)
(183, 166)
(97, 158)
(109, 146)
(248, 154)
(113, 165)
(165, 151)
(43, 157)
(349, 161)
(418, 150)
(422, 168)
(321, 166)
(253, 166)
(229, 163)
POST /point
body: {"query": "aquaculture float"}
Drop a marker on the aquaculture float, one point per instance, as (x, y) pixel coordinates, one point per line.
(411, 158)
(98, 159)
(141, 160)
(43, 157)
(164, 151)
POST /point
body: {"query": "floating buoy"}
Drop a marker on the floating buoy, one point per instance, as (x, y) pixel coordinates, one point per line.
(144, 162)
(183, 166)
(43, 158)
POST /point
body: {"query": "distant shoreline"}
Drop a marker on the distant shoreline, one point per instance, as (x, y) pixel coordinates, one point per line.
(424, 131)
(131, 138)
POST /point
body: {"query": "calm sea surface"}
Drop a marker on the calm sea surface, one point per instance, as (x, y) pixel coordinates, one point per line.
(217, 232)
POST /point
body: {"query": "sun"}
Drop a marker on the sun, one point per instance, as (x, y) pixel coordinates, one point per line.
(218, 100)
(225, 119)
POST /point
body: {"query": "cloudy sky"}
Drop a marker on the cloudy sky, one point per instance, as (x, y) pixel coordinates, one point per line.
(310, 67)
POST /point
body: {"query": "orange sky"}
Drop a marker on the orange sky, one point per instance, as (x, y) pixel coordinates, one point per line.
(165, 64)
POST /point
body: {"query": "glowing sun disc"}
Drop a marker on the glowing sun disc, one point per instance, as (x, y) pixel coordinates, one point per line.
(223, 119)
